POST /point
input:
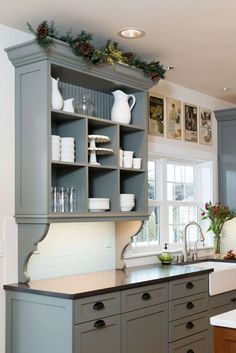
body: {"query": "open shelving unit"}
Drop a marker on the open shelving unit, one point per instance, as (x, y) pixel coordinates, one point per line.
(36, 173)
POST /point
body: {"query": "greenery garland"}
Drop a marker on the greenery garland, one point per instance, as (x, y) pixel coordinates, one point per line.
(110, 53)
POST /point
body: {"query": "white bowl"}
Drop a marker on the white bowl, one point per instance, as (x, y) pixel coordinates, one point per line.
(67, 139)
(127, 195)
(99, 204)
(66, 159)
(126, 208)
(56, 150)
(127, 203)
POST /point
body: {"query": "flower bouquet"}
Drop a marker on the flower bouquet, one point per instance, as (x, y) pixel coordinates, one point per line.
(217, 214)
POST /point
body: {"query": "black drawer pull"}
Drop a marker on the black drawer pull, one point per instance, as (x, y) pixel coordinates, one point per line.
(98, 306)
(189, 285)
(189, 325)
(190, 351)
(189, 305)
(99, 323)
(146, 296)
(233, 300)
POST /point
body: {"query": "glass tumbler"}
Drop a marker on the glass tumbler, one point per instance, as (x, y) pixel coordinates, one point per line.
(73, 199)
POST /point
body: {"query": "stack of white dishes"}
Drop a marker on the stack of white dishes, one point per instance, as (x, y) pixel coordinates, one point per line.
(127, 202)
(99, 204)
(67, 149)
(56, 148)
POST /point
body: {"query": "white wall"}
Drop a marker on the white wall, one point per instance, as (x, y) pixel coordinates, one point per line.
(8, 37)
(192, 150)
(74, 248)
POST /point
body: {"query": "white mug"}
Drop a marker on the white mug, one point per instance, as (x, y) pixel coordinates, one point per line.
(128, 154)
(137, 163)
(128, 162)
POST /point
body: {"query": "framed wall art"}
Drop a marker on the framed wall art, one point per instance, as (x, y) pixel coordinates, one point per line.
(205, 126)
(156, 124)
(173, 119)
(190, 123)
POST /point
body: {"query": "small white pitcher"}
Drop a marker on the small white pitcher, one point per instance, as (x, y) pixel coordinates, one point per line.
(57, 101)
(68, 105)
(121, 110)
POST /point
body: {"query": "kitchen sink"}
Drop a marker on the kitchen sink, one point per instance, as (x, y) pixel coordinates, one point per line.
(223, 279)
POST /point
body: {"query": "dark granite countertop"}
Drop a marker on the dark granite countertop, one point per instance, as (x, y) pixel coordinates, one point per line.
(72, 287)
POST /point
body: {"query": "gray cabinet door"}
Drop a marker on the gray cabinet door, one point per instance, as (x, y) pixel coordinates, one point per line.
(226, 156)
(145, 330)
(100, 336)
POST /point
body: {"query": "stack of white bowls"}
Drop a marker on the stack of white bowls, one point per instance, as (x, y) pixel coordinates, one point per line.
(56, 148)
(67, 149)
(99, 204)
(127, 202)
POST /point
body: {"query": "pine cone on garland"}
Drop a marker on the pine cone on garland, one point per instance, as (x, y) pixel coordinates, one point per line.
(42, 30)
(155, 77)
(129, 55)
(86, 49)
(83, 49)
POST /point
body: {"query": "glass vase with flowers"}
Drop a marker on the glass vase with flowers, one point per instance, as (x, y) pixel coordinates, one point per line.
(218, 215)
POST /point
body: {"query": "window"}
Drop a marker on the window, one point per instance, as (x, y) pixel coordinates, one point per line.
(177, 190)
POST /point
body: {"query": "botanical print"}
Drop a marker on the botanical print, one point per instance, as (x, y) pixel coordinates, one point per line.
(174, 120)
(190, 123)
(205, 126)
(156, 116)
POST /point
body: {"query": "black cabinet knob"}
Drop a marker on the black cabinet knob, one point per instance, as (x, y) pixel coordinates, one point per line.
(146, 296)
(233, 300)
(98, 306)
(99, 323)
(190, 351)
(189, 285)
(189, 305)
(189, 325)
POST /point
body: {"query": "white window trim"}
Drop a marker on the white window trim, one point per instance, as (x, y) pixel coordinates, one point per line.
(143, 251)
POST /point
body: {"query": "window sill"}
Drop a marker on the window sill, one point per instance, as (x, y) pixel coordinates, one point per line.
(140, 254)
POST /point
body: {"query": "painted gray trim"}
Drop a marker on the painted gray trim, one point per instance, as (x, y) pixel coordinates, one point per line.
(29, 235)
(30, 52)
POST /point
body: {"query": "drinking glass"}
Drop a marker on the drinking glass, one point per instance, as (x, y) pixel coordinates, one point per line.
(73, 199)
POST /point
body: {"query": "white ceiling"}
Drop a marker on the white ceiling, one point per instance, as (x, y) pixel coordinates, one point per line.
(198, 37)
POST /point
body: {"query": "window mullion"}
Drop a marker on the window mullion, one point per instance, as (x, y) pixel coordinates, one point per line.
(165, 210)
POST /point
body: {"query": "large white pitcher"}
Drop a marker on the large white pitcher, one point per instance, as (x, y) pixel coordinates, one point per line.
(121, 110)
(57, 101)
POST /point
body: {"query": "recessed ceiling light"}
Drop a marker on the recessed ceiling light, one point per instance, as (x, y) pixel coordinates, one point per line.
(226, 89)
(131, 33)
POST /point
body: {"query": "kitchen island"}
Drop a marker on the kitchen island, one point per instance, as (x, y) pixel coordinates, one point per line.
(224, 332)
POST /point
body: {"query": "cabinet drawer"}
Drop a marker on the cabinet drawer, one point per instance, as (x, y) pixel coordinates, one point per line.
(100, 336)
(95, 307)
(188, 286)
(142, 297)
(188, 306)
(188, 326)
(195, 344)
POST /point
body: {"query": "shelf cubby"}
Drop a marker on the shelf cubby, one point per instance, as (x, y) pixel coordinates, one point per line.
(134, 183)
(104, 183)
(133, 140)
(111, 130)
(76, 128)
(65, 176)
